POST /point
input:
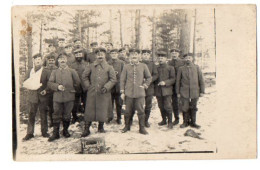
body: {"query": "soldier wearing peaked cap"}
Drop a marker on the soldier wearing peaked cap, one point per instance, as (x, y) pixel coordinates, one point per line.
(189, 87)
(91, 57)
(176, 62)
(123, 55)
(118, 66)
(164, 88)
(61, 44)
(71, 56)
(78, 45)
(135, 78)
(109, 46)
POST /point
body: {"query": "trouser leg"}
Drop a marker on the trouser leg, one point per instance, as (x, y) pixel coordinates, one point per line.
(118, 108)
(162, 110)
(147, 109)
(193, 110)
(139, 106)
(76, 107)
(128, 113)
(175, 105)
(58, 110)
(44, 117)
(50, 106)
(33, 107)
(167, 104)
(67, 108)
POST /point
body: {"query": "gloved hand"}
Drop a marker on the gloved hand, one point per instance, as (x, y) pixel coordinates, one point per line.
(103, 90)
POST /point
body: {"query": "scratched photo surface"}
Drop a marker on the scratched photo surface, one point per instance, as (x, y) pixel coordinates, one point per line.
(157, 32)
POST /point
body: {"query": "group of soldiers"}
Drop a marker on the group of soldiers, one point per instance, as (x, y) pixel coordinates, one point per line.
(76, 80)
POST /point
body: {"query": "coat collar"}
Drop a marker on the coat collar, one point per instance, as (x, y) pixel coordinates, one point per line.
(64, 68)
(136, 64)
(102, 64)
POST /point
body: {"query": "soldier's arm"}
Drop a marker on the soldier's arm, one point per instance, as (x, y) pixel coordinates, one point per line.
(52, 81)
(201, 81)
(178, 81)
(147, 76)
(76, 79)
(112, 79)
(171, 79)
(86, 77)
(123, 80)
(155, 73)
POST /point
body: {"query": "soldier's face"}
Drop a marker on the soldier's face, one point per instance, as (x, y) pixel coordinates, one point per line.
(101, 56)
(162, 59)
(51, 48)
(51, 62)
(134, 57)
(146, 56)
(109, 47)
(175, 55)
(114, 55)
(68, 50)
(77, 44)
(188, 59)
(61, 43)
(62, 60)
(122, 53)
(37, 61)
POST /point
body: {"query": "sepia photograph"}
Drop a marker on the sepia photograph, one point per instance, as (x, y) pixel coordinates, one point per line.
(114, 80)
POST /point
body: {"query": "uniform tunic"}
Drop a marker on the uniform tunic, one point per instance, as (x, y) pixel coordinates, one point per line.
(95, 77)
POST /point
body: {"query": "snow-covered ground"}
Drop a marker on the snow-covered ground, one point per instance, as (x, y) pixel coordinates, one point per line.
(160, 139)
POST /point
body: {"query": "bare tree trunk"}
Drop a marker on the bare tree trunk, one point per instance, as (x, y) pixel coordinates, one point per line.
(153, 37)
(29, 42)
(137, 28)
(110, 24)
(121, 31)
(40, 51)
(194, 36)
(87, 32)
(185, 32)
(79, 26)
(132, 29)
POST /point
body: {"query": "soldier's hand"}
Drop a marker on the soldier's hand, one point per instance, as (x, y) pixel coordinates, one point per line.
(145, 86)
(61, 88)
(179, 96)
(201, 94)
(122, 96)
(43, 92)
(103, 90)
(162, 83)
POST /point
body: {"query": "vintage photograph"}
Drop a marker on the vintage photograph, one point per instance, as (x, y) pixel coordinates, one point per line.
(114, 80)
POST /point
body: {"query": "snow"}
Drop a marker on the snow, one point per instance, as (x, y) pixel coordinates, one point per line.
(160, 138)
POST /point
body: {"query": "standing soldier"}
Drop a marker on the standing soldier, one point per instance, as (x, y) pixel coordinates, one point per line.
(176, 62)
(92, 56)
(79, 65)
(51, 66)
(135, 78)
(51, 51)
(78, 45)
(189, 87)
(37, 97)
(68, 51)
(61, 44)
(64, 81)
(109, 46)
(164, 88)
(98, 78)
(123, 56)
(146, 59)
(118, 66)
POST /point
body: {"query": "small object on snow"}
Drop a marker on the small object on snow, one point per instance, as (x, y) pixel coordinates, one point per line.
(93, 146)
(193, 134)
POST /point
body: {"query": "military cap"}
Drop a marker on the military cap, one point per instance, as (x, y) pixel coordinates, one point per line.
(50, 45)
(114, 50)
(37, 55)
(131, 50)
(121, 49)
(146, 51)
(61, 39)
(93, 43)
(78, 50)
(76, 39)
(175, 50)
(161, 52)
(188, 54)
(68, 45)
(50, 56)
(100, 49)
(62, 54)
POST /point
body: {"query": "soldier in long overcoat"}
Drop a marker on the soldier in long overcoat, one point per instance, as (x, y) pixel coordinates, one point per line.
(99, 78)
(189, 87)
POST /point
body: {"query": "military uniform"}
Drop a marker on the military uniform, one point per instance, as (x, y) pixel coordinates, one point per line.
(189, 85)
(91, 57)
(134, 78)
(63, 101)
(36, 100)
(118, 66)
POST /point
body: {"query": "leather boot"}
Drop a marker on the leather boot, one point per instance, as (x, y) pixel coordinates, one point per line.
(86, 130)
(163, 122)
(147, 115)
(101, 127)
(66, 125)
(193, 119)
(170, 124)
(75, 118)
(127, 124)
(185, 120)
(176, 122)
(141, 124)
(56, 132)
(28, 137)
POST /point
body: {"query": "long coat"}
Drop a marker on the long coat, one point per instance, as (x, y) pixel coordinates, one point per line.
(118, 66)
(190, 82)
(166, 74)
(34, 96)
(132, 79)
(67, 77)
(154, 72)
(95, 77)
(80, 68)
